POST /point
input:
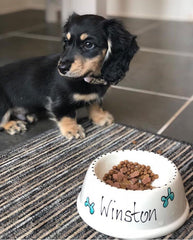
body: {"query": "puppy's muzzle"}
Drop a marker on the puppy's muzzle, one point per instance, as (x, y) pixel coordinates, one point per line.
(64, 66)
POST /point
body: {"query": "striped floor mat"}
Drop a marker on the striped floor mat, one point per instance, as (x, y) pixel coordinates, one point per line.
(40, 180)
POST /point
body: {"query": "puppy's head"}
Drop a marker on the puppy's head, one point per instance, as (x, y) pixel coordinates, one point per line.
(96, 47)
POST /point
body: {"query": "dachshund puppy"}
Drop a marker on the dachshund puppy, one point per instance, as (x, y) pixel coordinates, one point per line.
(96, 54)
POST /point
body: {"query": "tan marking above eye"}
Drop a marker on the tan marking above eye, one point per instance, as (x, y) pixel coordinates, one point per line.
(83, 36)
(68, 36)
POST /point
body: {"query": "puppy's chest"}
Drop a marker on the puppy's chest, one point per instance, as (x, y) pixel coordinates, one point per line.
(85, 97)
(88, 93)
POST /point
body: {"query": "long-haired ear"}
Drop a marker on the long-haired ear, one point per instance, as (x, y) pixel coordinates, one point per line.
(121, 48)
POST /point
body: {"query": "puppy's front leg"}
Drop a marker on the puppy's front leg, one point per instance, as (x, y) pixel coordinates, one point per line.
(99, 116)
(64, 113)
(69, 128)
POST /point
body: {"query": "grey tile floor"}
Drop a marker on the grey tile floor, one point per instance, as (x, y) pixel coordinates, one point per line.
(156, 94)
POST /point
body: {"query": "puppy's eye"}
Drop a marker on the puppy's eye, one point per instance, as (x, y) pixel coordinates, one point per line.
(88, 45)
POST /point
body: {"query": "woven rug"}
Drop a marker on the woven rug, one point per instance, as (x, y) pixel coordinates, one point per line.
(40, 180)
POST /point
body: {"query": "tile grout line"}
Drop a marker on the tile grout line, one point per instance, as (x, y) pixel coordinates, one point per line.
(59, 39)
(9, 34)
(22, 33)
(151, 92)
(166, 52)
(171, 120)
(147, 28)
(32, 28)
(37, 36)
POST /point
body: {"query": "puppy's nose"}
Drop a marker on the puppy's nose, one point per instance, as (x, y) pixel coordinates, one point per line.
(64, 66)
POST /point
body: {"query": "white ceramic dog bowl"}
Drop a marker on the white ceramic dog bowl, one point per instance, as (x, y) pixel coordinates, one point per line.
(133, 214)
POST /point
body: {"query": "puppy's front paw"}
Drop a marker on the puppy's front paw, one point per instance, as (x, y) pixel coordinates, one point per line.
(15, 127)
(104, 119)
(100, 117)
(70, 129)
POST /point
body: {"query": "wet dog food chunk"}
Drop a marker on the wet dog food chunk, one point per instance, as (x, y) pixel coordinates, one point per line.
(130, 176)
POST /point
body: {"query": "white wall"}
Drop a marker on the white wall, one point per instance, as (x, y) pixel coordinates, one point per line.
(153, 9)
(11, 5)
(181, 10)
(7, 6)
(35, 4)
(89, 6)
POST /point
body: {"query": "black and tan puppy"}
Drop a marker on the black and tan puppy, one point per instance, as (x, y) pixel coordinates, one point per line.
(96, 54)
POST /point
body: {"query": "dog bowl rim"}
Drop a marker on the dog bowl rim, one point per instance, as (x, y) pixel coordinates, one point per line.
(95, 162)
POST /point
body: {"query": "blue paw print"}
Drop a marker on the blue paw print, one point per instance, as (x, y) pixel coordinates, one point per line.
(91, 206)
(165, 199)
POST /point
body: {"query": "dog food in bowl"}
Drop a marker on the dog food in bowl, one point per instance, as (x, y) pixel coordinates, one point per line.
(130, 176)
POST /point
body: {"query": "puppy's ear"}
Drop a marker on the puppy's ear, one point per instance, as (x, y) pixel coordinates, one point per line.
(121, 48)
(69, 21)
(74, 15)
